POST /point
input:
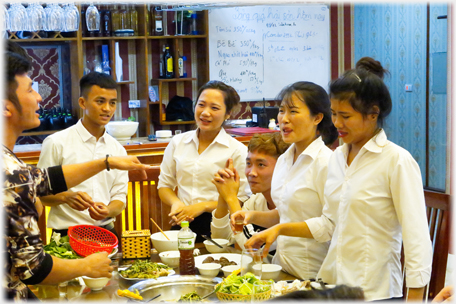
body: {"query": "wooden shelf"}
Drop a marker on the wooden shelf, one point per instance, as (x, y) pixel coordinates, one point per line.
(39, 133)
(172, 79)
(165, 122)
(44, 39)
(113, 38)
(177, 37)
(125, 82)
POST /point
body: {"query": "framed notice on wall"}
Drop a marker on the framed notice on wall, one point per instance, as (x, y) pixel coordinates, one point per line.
(260, 49)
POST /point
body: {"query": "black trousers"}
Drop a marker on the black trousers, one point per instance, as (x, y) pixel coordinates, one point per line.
(200, 225)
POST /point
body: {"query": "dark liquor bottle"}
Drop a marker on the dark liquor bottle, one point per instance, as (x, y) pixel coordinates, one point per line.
(168, 64)
(83, 21)
(106, 22)
(158, 22)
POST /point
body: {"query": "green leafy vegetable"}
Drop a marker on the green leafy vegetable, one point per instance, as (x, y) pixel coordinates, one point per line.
(190, 297)
(243, 285)
(145, 270)
(60, 247)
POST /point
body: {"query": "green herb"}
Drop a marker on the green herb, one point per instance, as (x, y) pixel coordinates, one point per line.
(145, 270)
(190, 297)
(60, 247)
(243, 285)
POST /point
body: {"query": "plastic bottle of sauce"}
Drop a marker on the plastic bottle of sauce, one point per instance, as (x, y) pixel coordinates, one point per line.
(186, 244)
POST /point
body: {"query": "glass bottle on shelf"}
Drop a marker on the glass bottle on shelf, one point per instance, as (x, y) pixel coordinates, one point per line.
(162, 62)
(93, 20)
(168, 62)
(115, 19)
(106, 22)
(194, 30)
(158, 22)
(124, 20)
(134, 19)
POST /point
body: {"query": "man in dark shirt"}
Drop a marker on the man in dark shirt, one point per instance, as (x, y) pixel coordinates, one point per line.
(27, 263)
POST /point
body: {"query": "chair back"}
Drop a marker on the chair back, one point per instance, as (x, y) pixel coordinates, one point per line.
(438, 211)
(143, 203)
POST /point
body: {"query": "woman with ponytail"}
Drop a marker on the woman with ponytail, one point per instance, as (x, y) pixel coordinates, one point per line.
(298, 179)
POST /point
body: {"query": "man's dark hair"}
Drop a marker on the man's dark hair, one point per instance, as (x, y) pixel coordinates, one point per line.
(102, 80)
(17, 65)
(13, 47)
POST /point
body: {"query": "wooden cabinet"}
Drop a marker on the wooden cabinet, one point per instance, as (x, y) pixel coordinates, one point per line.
(140, 63)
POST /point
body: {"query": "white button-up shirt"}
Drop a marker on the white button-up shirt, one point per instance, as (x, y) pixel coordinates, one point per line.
(373, 204)
(191, 172)
(297, 190)
(76, 145)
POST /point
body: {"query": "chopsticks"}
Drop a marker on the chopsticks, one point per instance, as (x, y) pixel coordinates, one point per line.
(159, 228)
(212, 241)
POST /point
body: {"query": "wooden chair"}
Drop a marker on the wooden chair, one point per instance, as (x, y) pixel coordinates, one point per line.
(143, 203)
(438, 211)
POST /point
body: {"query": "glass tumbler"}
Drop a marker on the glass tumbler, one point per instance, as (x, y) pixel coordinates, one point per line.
(252, 260)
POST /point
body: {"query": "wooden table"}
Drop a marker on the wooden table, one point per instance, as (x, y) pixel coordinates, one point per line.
(77, 292)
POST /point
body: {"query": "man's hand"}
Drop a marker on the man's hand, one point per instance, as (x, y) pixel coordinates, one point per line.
(98, 211)
(97, 265)
(78, 200)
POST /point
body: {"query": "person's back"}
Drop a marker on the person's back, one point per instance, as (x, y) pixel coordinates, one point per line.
(96, 201)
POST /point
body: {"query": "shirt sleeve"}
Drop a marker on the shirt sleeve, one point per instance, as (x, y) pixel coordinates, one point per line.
(119, 188)
(239, 157)
(167, 178)
(50, 154)
(322, 227)
(408, 199)
(220, 228)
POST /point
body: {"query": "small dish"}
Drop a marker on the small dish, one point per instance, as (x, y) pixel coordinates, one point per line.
(170, 258)
(95, 283)
(171, 272)
(209, 269)
(227, 270)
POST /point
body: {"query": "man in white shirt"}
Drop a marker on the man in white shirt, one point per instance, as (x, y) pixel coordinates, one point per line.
(264, 149)
(98, 200)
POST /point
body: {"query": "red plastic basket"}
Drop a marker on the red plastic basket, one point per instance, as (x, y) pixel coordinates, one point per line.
(88, 239)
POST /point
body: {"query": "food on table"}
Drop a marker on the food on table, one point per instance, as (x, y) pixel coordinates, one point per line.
(222, 261)
(243, 285)
(128, 294)
(60, 247)
(283, 287)
(190, 297)
(145, 270)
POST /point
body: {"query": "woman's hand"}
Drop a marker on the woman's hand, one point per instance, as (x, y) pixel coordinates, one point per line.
(445, 295)
(186, 213)
(266, 237)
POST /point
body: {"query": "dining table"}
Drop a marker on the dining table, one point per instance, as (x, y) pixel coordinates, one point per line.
(76, 290)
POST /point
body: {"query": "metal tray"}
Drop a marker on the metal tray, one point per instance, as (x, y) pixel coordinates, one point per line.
(172, 288)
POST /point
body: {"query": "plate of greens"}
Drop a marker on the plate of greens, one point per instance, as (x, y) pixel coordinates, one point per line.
(143, 270)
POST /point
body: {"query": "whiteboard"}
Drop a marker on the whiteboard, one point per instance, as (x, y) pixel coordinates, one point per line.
(261, 49)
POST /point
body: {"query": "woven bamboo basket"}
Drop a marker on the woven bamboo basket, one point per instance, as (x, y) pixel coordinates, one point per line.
(226, 297)
(136, 244)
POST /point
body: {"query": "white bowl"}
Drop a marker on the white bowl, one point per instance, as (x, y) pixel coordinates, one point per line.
(95, 283)
(214, 248)
(122, 130)
(227, 270)
(209, 269)
(269, 271)
(160, 243)
(170, 258)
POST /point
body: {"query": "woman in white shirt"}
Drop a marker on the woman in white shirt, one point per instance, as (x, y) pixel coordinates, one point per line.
(374, 198)
(264, 150)
(299, 176)
(191, 159)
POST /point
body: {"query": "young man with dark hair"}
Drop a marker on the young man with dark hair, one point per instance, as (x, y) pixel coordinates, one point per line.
(99, 200)
(26, 261)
